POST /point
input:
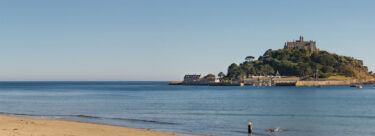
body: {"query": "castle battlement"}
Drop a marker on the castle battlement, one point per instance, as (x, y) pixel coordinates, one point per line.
(301, 44)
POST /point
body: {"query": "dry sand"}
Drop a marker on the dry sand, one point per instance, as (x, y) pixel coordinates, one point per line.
(12, 126)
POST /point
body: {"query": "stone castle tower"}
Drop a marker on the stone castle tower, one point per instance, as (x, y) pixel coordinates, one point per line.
(301, 44)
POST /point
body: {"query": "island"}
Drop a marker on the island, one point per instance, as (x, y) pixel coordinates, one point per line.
(299, 63)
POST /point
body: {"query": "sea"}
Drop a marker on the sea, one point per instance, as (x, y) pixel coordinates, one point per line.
(200, 110)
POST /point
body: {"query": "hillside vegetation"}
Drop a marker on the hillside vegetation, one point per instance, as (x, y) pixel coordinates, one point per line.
(301, 63)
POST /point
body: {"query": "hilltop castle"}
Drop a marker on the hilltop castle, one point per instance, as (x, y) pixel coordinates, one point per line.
(300, 44)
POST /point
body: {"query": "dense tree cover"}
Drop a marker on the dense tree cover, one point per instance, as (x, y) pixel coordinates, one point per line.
(299, 62)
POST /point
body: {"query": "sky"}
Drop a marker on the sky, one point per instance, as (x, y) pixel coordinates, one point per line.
(162, 40)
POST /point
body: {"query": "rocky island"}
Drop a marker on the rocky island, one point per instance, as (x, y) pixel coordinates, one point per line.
(299, 63)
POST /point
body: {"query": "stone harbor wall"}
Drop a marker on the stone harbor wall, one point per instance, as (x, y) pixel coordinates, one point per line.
(331, 82)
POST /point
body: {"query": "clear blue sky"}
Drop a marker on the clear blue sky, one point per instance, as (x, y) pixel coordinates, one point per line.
(165, 39)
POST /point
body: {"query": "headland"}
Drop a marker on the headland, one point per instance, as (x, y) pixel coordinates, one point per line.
(299, 63)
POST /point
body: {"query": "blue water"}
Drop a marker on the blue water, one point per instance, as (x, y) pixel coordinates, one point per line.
(308, 111)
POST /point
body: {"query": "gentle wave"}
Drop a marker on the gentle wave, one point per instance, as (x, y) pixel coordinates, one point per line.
(88, 117)
(124, 119)
(284, 115)
(16, 114)
(171, 123)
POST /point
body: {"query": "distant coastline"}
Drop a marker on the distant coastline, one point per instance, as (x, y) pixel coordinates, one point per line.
(299, 63)
(272, 82)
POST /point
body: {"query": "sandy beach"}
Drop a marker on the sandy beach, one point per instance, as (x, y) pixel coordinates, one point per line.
(14, 126)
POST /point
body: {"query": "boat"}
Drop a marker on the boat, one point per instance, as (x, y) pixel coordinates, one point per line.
(357, 85)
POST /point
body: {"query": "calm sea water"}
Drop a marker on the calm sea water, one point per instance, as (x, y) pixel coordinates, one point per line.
(307, 111)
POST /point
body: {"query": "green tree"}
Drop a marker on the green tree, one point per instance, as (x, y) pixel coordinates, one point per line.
(249, 58)
(267, 53)
(247, 68)
(234, 71)
(267, 70)
(305, 70)
(221, 75)
(210, 76)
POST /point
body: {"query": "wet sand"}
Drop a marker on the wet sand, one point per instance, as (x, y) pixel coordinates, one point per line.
(14, 126)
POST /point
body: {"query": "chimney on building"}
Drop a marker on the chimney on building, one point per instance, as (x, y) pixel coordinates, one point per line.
(301, 38)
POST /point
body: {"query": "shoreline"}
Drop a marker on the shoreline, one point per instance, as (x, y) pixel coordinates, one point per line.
(275, 82)
(23, 126)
